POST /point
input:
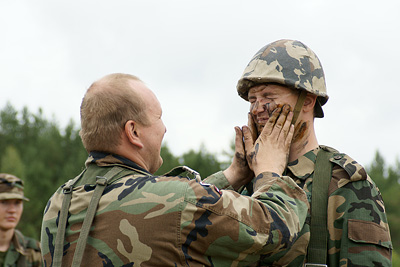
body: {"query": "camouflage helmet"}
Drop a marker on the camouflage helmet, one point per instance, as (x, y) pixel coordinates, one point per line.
(286, 62)
(11, 187)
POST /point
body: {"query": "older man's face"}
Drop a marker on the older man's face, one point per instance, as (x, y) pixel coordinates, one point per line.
(153, 133)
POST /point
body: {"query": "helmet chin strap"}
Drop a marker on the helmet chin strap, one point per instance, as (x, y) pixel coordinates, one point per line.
(299, 105)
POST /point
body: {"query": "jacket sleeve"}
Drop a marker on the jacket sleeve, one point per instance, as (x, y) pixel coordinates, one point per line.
(244, 227)
(357, 223)
(219, 180)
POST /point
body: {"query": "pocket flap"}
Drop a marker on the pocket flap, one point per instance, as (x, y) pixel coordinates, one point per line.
(369, 232)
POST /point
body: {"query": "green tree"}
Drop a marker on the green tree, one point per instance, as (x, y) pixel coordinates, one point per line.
(377, 170)
(202, 161)
(395, 259)
(228, 155)
(37, 151)
(387, 179)
(169, 160)
(11, 162)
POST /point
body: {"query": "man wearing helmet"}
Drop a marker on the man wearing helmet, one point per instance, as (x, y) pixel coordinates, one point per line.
(347, 224)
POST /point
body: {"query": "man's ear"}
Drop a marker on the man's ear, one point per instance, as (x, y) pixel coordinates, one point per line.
(309, 103)
(132, 130)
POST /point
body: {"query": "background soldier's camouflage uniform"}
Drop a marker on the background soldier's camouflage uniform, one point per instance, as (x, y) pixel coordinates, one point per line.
(145, 220)
(23, 251)
(357, 224)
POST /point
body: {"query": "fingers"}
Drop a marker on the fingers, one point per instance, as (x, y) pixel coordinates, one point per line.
(239, 146)
(282, 125)
(248, 145)
(240, 154)
(252, 126)
(279, 123)
(281, 120)
(247, 138)
(269, 126)
(271, 150)
(285, 136)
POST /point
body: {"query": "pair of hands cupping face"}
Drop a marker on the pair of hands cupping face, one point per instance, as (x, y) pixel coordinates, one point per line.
(266, 153)
(270, 151)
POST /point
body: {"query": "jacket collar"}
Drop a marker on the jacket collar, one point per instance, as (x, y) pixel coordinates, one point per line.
(108, 159)
(303, 167)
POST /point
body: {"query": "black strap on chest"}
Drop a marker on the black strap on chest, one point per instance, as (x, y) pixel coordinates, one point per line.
(317, 248)
(101, 183)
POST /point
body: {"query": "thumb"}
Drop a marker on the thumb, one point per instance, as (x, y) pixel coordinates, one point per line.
(247, 138)
(252, 126)
(239, 146)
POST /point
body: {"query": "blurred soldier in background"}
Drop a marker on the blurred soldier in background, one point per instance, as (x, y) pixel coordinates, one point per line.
(15, 248)
(117, 213)
(347, 225)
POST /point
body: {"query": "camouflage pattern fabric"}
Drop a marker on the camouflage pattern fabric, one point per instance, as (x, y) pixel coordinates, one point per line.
(23, 251)
(11, 187)
(357, 225)
(146, 220)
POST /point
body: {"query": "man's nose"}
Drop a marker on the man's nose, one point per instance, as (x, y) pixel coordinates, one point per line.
(257, 108)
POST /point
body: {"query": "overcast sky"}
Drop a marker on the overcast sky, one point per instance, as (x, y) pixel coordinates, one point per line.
(191, 54)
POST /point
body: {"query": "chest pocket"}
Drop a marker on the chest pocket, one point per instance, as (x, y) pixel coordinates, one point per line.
(369, 233)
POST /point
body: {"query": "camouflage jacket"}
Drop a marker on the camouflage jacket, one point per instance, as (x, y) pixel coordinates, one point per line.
(146, 220)
(23, 251)
(358, 230)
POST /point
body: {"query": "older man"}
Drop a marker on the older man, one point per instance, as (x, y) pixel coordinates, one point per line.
(116, 213)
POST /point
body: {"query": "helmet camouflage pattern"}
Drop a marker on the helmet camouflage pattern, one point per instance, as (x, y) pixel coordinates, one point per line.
(286, 62)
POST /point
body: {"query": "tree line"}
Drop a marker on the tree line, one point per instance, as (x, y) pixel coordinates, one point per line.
(45, 156)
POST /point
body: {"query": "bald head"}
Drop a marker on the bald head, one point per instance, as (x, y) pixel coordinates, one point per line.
(107, 105)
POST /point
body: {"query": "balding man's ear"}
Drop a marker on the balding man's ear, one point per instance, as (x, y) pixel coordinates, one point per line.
(132, 131)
